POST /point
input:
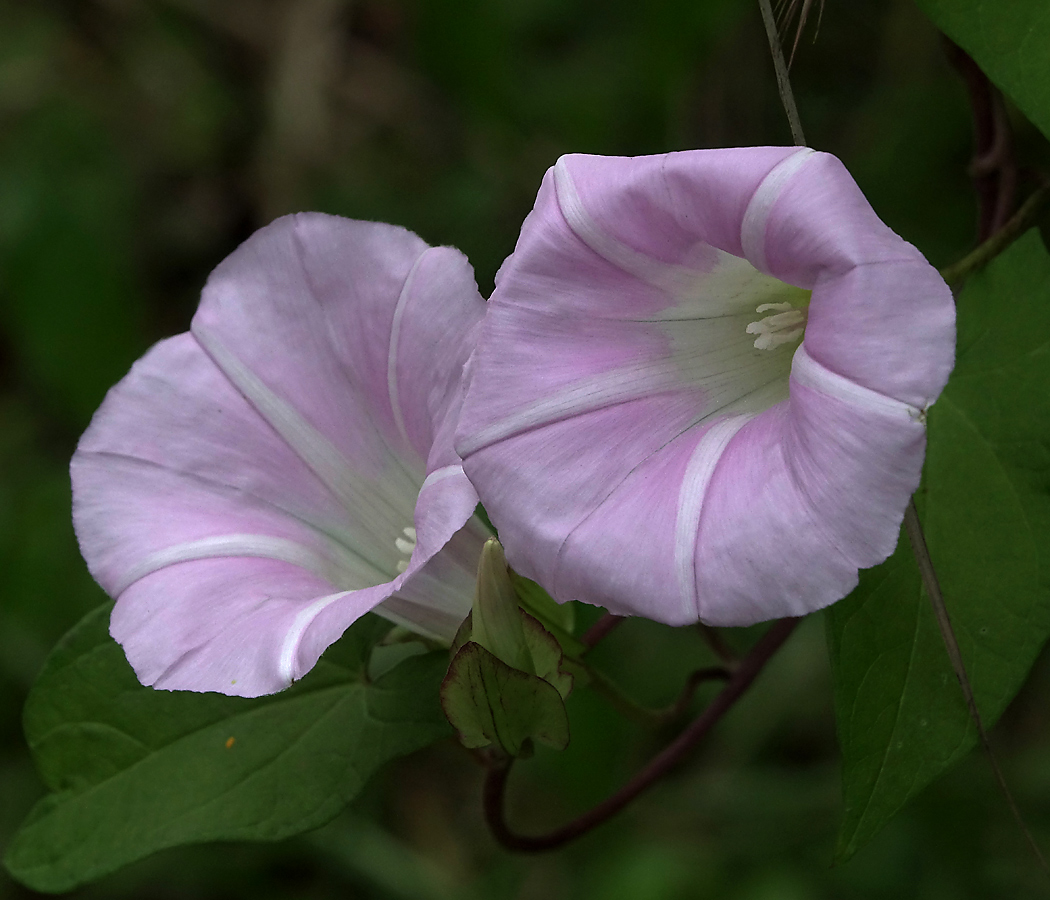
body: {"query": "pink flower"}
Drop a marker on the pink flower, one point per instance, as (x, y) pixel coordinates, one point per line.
(645, 424)
(255, 485)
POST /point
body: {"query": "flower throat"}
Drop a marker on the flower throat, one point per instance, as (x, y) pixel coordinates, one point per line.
(787, 322)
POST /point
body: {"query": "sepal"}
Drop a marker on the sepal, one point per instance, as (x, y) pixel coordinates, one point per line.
(507, 681)
(492, 705)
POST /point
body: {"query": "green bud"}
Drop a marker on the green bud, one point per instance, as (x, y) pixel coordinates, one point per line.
(506, 684)
(496, 619)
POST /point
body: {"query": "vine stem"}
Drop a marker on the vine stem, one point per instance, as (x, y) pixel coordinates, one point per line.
(1017, 225)
(495, 787)
(787, 96)
(655, 718)
(718, 645)
(600, 629)
(994, 168)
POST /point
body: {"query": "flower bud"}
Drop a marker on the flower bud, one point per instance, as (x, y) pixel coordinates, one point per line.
(496, 618)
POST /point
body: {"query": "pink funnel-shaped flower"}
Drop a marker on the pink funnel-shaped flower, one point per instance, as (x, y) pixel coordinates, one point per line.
(255, 485)
(645, 424)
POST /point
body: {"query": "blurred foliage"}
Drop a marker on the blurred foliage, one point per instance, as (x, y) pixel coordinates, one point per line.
(142, 140)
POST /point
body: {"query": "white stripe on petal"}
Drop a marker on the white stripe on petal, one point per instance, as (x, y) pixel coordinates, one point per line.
(336, 540)
(756, 217)
(395, 337)
(805, 370)
(302, 620)
(718, 359)
(698, 473)
(588, 394)
(224, 546)
(679, 280)
(311, 446)
(440, 475)
(322, 457)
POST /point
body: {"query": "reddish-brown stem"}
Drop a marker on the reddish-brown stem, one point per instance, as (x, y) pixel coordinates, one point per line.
(653, 718)
(695, 679)
(1026, 216)
(673, 754)
(718, 645)
(993, 168)
(600, 629)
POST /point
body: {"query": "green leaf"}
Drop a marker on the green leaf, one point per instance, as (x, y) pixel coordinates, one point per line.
(1009, 41)
(491, 704)
(135, 770)
(985, 507)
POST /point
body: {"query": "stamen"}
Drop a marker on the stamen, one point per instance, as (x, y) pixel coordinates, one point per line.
(785, 327)
(406, 547)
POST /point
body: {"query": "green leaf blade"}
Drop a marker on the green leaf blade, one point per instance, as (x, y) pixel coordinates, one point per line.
(137, 770)
(1009, 41)
(985, 506)
(901, 717)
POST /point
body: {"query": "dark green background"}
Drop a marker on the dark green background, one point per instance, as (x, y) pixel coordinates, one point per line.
(141, 140)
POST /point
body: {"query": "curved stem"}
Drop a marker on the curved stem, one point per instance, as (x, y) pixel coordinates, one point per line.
(718, 645)
(741, 679)
(1017, 225)
(655, 718)
(695, 679)
(994, 167)
(600, 629)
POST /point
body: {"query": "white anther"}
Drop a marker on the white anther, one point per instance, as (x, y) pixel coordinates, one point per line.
(406, 547)
(784, 327)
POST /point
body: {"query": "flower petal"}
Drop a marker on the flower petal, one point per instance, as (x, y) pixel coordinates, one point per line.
(631, 442)
(814, 490)
(245, 491)
(245, 640)
(880, 313)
